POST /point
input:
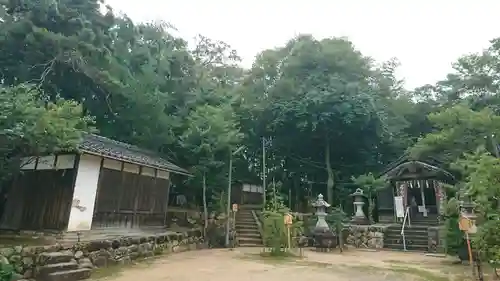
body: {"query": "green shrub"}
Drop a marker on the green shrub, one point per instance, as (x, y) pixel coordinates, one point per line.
(275, 232)
(273, 225)
(7, 272)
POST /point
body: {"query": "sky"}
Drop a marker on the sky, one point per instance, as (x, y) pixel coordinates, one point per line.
(426, 36)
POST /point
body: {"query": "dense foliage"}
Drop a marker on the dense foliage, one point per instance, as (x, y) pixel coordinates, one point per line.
(31, 126)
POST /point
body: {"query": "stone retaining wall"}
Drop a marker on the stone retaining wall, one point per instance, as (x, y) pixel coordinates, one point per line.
(366, 236)
(29, 261)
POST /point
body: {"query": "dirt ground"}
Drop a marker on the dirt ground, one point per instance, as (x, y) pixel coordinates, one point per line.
(247, 265)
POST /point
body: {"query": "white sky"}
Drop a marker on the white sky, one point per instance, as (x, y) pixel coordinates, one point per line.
(426, 35)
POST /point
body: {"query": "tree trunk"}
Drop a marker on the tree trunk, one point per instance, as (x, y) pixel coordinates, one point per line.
(297, 203)
(330, 182)
(371, 208)
(205, 208)
(341, 238)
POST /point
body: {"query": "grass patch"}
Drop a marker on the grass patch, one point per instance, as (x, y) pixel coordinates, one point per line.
(420, 273)
(269, 257)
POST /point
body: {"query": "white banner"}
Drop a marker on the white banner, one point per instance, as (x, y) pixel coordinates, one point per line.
(398, 204)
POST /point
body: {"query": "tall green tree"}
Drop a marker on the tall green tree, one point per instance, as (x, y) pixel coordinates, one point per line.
(457, 130)
(326, 105)
(211, 137)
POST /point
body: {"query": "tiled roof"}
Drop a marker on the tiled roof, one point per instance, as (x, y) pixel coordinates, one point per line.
(428, 163)
(102, 146)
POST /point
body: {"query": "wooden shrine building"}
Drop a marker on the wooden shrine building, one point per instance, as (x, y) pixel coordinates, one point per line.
(107, 184)
(247, 194)
(420, 186)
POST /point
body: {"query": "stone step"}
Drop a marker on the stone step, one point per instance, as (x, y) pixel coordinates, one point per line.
(249, 240)
(44, 271)
(423, 242)
(407, 233)
(423, 223)
(251, 207)
(246, 245)
(245, 219)
(54, 258)
(250, 235)
(70, 275)
(412, 226)
(246, 225)
(421, 248)
(412, 238)
(248, 231)
(408, 230)
(244, 213)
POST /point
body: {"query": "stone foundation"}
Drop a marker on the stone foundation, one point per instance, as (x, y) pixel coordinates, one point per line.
(29, 261)
(366, 236)
(436, 239)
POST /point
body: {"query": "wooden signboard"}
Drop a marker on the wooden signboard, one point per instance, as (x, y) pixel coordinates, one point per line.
(288, 219)
(464, 224)
(235, 207)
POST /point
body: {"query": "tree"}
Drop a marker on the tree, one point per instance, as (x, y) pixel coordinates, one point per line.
(458, 129)
(31, 126)
(325, 103)
(481, 183)
(134, 78)
(212, 133)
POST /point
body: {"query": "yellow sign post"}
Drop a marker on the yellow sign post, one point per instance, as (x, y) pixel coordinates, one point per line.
(467, 226)
(288, 220)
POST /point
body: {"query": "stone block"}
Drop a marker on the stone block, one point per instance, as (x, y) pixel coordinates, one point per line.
(97, 245)
(44, 271)
(70, 275)
(54, 257)
(85, 263)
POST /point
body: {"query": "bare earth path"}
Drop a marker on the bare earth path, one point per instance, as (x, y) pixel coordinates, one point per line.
(246, 265)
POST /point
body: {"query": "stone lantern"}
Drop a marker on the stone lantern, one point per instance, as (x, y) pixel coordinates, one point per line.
(359, 201)
(467, 223)
(467, 211)
(324, 238)
(321, 206)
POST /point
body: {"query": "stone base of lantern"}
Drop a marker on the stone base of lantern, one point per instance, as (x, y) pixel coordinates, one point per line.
(324, 239)
(360, 221)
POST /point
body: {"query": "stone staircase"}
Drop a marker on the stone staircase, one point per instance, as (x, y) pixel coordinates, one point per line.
(58, 266)
(416, 235)
(247, 229)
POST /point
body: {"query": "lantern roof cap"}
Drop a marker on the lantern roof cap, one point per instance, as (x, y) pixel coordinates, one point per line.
(320, 202)
(358, 192)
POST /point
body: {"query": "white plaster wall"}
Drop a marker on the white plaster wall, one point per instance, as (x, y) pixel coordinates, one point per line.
(81, 214)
